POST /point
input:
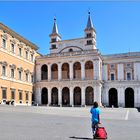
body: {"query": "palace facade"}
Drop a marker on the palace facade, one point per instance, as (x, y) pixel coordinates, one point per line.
(17, 56)
(75, 73)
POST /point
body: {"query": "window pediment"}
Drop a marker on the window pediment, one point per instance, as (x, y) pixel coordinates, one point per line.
(20, 69)
(4, 63)
(13, 66)
(4, 36)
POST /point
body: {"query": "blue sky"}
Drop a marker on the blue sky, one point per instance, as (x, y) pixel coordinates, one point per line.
(117, 23)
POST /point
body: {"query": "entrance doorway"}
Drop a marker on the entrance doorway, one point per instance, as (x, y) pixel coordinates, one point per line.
(113, 97)
(65, 96)
(129, 97)
(77, 96)
(44, 96)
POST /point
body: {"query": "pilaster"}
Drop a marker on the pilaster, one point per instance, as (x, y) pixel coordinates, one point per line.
(49, 72)
(83, 96)
(71, 96)
(59, 71)
(49, 96)
(71, 70)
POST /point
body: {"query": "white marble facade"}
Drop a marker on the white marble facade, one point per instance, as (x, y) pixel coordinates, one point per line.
(75, 73)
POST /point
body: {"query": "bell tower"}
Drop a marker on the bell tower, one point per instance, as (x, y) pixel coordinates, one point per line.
(54, 36)
(90, 33)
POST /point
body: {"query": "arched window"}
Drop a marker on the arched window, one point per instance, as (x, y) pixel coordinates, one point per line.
(65, 71)
(54, 70)
(44, 72)
(77, 70)
(89, 70)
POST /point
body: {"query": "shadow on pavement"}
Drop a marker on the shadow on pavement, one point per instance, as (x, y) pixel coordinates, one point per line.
(81, 138)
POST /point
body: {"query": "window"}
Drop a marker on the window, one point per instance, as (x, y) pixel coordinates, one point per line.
(89, 42)
(12, 73)
(32, 78)
(26, 76)
(19, 51)
(27, 96)
(19, 75)
(20, 95)
(3, 71)
(53, 46)
(3, 93)
(89, 35)
(12, 94)
(12, 48)
(112, 77)
(26, 52)
(128, 65)
(70, 50)
(128, 76)
(3, 43)
(53, 40)
(32, 58)
(112, 66)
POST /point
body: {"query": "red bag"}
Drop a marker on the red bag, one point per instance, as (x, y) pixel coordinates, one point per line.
(101, 133)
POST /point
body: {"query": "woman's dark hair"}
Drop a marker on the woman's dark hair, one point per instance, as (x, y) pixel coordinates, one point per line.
(95, 104)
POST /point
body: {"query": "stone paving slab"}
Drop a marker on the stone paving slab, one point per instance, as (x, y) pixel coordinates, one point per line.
(53, 123)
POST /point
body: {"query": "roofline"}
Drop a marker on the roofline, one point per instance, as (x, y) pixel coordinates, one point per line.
(69, 40)
(19, 37)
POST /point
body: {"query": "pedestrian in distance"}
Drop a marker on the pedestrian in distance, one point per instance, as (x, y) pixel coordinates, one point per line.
(95, 112)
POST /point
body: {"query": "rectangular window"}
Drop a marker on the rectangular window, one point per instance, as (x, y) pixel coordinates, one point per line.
(19, 51)
(3, 93)
(12, 94)
(53, 40)
(112, 77)
(53, 46)
(32, 78)
(26, 76)
(3, 71)
(89, 35)
(12, 48)
(3, 43)
(112, 66)
(32, 58)
(27, 96)
(26, 54)
(12, 73)
(128, 76)
(19, 75)
(89, 42)
(20, 95)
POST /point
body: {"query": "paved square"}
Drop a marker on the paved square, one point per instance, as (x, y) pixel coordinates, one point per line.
(52, 123)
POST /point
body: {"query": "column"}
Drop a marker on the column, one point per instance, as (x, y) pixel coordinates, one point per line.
(82, 70)
(59, 71)
(60, 96)
(71, 96)
(38, 95)
(135, 97)
(83, 96)
(104, 72)
(49, 72)
(38, 72)
(120, 97)
(49, 96)
(97, 70)
(136, 71)
(97, 94)
(71, 70)
(138, 96)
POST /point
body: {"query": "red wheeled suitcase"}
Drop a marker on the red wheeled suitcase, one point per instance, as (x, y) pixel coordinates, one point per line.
(100, 133)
